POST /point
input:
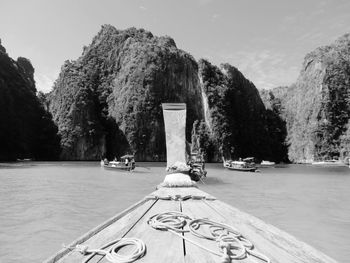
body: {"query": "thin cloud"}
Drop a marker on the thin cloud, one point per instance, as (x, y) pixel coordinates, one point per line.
(293, 18)
(44, 82)
(310, 36)
(204, 2)
(215, 17)
(266, 69)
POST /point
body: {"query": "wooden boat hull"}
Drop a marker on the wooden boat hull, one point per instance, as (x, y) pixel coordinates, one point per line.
(164, 246)
(267, 164)
(250, 169)
(118, 168)
(328, 164)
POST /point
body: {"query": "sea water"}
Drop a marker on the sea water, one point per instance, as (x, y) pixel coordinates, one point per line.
(44, 205)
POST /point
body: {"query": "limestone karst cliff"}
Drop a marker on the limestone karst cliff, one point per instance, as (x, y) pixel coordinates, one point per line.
(27, 130)
(238, 123)
(317, 107)
(108, 101)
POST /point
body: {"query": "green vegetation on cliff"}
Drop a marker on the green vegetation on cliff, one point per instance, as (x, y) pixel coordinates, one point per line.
(240, 125)
(109, 100)
(108, 103)
(317, 107)
(27, 129)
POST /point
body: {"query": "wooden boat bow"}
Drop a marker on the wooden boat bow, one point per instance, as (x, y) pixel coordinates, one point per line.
(261, 242)
(163, 246)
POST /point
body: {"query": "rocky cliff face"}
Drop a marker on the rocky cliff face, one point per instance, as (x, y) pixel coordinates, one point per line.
(317, 107)
(239, 123)
(108, 102)
(27, 130)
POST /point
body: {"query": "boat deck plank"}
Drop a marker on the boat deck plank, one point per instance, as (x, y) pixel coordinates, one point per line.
(198, 209)
(278, 245)
(124, 222)
(162, 246)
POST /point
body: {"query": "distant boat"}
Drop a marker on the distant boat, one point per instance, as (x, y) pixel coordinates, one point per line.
(244, 166)
(126, 163)
(267, 163)
(329, 163)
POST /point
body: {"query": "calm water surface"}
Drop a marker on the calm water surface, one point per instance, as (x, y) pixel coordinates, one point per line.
(43, 205)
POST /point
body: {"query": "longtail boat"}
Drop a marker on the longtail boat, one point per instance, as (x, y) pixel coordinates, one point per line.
(121, 165)
(329, 163)
(242, 166)
(180, 223)
(267, 164)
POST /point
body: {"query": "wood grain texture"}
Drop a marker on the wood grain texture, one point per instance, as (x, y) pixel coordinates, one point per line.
(113, 228)
(162, 246)
(278, 245)
(198, 209)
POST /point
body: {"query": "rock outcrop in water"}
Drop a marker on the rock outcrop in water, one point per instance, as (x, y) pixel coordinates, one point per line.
(27, 130)
(317, 107)
(108, 101)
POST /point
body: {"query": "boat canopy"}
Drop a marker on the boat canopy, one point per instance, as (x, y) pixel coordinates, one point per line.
(238, 162)
(128, 156)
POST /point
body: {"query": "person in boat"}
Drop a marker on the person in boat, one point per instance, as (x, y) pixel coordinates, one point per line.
(197, 172)
(105, 161)
(133, 163)
(126, 161)
(115, 159)
(197, 168)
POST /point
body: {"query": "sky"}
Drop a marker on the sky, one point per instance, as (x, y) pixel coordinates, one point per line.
(266, 40)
